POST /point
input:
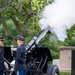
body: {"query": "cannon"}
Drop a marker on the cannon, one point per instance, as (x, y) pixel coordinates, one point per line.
(37, 58)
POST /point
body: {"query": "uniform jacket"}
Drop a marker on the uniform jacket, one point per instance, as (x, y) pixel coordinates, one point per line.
(1, 58)
(20, 58)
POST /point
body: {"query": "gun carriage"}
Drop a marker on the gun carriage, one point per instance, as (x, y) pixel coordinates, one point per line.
(37, 58)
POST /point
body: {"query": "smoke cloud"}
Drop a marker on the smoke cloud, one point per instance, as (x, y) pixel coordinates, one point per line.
(60, 16)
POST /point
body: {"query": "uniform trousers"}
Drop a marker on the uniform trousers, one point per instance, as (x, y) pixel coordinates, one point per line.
(22, 72)
(1, 72)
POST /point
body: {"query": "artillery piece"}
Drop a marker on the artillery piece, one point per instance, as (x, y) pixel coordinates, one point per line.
(37, 58)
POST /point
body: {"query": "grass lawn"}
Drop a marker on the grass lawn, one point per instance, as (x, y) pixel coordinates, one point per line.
(64, 73)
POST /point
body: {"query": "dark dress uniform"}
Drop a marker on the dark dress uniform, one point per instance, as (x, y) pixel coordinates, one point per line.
(1, 60)
(20, 58)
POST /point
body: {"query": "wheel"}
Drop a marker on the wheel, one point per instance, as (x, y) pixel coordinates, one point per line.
(53, 70)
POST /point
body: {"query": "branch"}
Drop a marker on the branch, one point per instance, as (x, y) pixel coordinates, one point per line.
(19, 27)
(30, 3)
(9, 1)
(2, 9)
(20, 8)
(13, 7)
(25, 10)
(16, 23)
(27, 18)
(3, 6)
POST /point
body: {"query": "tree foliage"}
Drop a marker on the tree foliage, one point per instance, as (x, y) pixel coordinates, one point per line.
(20, 17)
(23, 13)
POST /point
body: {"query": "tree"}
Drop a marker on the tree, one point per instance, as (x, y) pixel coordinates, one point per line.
(70, 40)
(22, 12)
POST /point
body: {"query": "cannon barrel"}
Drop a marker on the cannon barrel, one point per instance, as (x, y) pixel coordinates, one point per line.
(36, 39)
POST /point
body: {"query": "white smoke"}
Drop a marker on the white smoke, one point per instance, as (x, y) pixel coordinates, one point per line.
(60, 15)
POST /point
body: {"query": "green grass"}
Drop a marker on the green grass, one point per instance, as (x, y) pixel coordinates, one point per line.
(65, 73)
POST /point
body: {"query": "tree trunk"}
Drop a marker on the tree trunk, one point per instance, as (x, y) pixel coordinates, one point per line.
(19, 27)
(13, 40)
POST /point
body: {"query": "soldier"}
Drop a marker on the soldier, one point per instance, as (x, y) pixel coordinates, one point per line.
(1, 55)
(20, 65)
